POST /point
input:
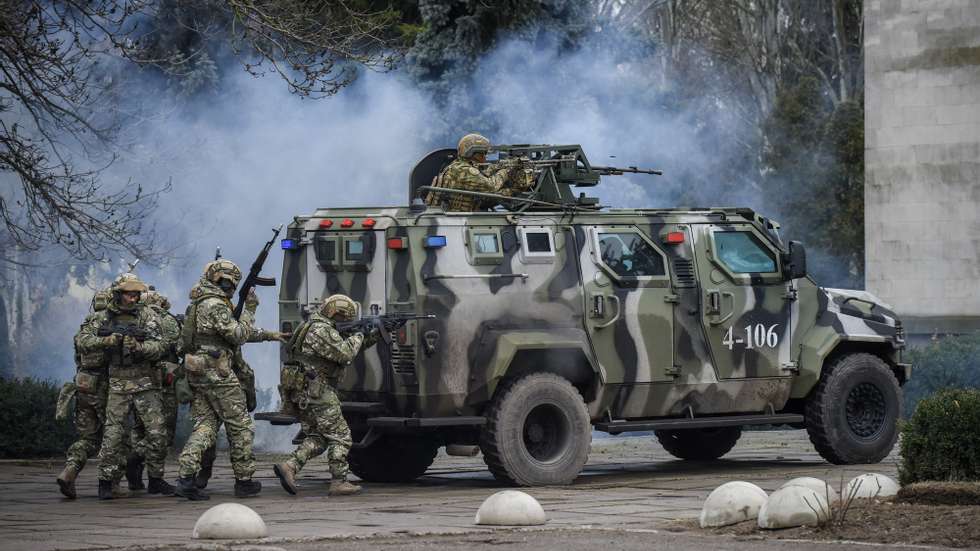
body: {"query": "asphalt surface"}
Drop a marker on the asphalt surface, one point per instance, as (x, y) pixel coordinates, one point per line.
(629, 497)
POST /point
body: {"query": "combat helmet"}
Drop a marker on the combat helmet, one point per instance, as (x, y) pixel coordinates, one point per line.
(216, 270)
(471, 144)
(128, 282)
(339, 304)
(152, 297)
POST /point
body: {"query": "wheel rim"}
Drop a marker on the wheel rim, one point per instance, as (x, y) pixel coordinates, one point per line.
(865, 409)
(546, 433)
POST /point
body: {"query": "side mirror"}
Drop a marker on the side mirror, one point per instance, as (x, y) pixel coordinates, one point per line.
(794, 262)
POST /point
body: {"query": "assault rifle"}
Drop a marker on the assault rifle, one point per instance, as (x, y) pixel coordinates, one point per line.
(254, 279)
(109, 328)
(384, 324)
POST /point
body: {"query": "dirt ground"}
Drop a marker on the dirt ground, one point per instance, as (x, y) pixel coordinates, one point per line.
(874, 522)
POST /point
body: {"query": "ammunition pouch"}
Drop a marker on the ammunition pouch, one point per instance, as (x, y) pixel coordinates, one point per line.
(68, 391)
(92, 360)
(202, 361)
(291, 377)
(87, 382)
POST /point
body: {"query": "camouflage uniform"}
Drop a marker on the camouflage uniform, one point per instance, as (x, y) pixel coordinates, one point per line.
(169, 371)
(212, 339)
(464, 174)
(134, 382)
(320, 353)
(91, 392)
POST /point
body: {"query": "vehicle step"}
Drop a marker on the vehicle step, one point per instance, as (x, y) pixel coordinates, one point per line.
(616, 427)
(276, 418)
(394, 423)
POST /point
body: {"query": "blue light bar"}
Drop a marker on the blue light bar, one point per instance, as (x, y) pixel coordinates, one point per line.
(289, 244)
(435, 241)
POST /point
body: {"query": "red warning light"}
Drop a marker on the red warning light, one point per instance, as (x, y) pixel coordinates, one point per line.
(347, 223)
(326, 223)
(368, 223)
(675, 238)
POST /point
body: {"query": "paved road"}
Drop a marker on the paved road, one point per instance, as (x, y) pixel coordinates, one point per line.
(630, 486)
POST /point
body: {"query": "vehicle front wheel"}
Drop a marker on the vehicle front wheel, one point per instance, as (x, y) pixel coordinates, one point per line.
(852, 414)
(538, 432)
(699, 444)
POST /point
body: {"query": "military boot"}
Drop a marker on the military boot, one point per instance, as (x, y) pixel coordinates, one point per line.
(287, 477)
(186, 488)
(105, 489)
(159, 486)
(207, 464)
(118, 490)
(341, 487)
(66, 481)
(134, 472)
(247, 488)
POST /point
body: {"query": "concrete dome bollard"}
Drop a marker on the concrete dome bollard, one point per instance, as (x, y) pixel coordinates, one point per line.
(817, 485)
(794, 506)
(871, 485)
(510, 508)
(230, 521)
(731, 503)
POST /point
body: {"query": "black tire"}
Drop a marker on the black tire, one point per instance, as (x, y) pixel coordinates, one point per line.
(699, 444)
(538, 432)
(393, 458)
(852, 414)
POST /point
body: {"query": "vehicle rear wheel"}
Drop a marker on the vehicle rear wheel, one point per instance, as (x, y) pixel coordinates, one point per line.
(538, 432)
(699, 444)
(852, 414)
(393, 458)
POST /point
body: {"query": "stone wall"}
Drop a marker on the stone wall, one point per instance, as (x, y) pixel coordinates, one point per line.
(922, 160)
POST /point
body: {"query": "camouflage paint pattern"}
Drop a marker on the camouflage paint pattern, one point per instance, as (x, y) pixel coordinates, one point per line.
(212, 406)
(169, 371)
(668, 344)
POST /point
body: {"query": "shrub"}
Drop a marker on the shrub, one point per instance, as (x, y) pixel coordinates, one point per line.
(941, 442)
(947, 362)
(28, 428)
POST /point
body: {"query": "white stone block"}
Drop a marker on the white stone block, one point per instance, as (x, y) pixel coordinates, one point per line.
(871, 485)
(794, 506)
(230, 521)
(815, 484)
(731, 503)
(510, 508)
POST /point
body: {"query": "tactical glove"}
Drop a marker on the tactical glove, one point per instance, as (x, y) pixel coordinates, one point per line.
(132, 346)
(111, 341)
(251, 301)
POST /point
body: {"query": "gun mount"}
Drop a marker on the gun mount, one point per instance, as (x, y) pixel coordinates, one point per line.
(556, 168)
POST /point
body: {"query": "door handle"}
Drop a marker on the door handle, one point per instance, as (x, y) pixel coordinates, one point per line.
(716, 303)
(619, 309)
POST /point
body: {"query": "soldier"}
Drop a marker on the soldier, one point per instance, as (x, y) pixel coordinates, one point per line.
(464, 174)
(321, 353)
(169, 372)
(212, 338)
(91, 389)
(128, 334)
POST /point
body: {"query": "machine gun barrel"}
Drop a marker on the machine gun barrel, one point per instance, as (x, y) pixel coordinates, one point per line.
(616, 171)
(254, 279)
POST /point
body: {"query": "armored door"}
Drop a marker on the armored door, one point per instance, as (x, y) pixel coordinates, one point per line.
(629, 312)
(745, 304)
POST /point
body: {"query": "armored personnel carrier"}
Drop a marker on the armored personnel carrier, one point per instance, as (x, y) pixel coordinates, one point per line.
(554, 317)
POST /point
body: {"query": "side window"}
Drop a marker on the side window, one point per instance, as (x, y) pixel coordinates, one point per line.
(354, 250)
(629, 255)
(327, 255)
(537, 244)
(485, 245)
(741, 253)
